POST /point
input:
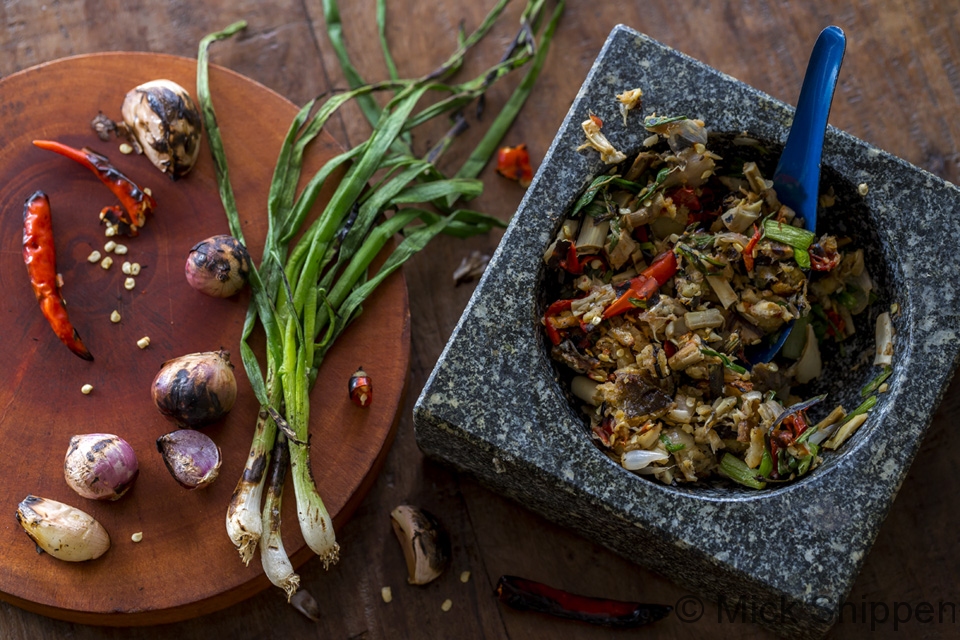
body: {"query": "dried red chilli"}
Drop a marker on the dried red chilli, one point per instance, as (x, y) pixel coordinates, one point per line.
(528, 595)
(360, 388)
(40, 257)
(136, 202)
(514, 163)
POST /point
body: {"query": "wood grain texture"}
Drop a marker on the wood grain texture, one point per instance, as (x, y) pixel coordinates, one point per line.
(899, 90)
(185, 565)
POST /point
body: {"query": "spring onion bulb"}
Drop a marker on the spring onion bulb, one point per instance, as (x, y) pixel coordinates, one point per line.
(884, 340)
(276, 564)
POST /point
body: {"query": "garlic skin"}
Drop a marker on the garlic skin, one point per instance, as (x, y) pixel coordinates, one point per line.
(166, 123)
(192, 458)
(425, 543)
(218, 266)
(100, 466)
(66, 533)
(196, 389)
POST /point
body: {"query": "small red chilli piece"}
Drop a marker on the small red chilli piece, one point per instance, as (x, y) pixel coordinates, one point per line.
(361, 388)
(514, 163)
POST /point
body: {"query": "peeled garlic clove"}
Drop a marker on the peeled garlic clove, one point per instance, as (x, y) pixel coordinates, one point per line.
(196, 389)
(192, 458)
(66, 533)
(167, 124)
(425, 544)
(100, 466)
(218, 266)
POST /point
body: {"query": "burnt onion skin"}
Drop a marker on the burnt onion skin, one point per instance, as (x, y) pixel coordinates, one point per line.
(196, 389)
(218, 266)
(192, 457)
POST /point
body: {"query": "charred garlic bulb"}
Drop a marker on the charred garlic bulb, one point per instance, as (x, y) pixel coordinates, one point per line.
(62, 531)
(196, 389)
(166, 123)
(425, 544)
(100, 466)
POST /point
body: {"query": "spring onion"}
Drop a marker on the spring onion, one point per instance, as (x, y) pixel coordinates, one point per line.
(799, 239)
(312, 279)
(874, 384)
(738, 471)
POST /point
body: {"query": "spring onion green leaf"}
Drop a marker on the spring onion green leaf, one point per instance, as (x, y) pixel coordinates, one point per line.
(724, 359)
(671, 446)
(651, 122)
(738, 471)
(874, 384)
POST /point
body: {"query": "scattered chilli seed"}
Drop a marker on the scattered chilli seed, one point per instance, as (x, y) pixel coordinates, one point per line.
(109, 246)
(120, 249)
(126, 150)
(863, 189)
(447, 605)
(94, 256)
(86, 389)
(386, 593)
(129, 284)
(110, 231)
(125, 268)
(135, 269)
(465, 576)
(115, 316)
(137, 537)
(143, 342)
(147, 191)
(107, 262)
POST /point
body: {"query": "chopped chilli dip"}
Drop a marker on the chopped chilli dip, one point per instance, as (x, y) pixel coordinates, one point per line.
(665, 274)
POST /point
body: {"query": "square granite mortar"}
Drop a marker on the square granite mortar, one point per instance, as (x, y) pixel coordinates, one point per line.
(494, 406)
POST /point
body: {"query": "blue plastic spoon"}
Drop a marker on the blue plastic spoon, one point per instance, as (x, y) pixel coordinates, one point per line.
(797, 179)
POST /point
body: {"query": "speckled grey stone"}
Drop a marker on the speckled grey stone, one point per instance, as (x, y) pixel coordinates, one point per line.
(493, 405)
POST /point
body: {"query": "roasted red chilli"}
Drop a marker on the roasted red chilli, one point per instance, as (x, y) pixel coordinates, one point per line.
(136, 202)
(40, 257)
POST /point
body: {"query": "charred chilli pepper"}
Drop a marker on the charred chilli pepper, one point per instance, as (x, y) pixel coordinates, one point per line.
(552, 311)
(514, 163)
(40, 257)
(136, 202)
(748, 250)
(527, 595)
(642, 287)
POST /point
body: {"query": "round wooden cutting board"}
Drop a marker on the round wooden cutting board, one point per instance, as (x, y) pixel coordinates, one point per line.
(185, 565)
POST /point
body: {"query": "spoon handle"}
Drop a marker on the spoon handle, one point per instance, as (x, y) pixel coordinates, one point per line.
(797, 178)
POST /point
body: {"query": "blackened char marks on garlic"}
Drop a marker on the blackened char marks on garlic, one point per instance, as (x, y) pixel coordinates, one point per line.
(639, 398)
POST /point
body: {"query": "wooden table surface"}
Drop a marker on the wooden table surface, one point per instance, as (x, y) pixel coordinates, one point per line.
(899, 90)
